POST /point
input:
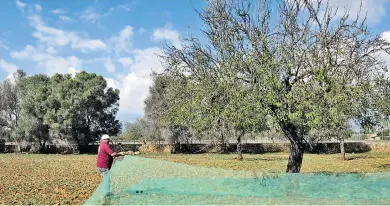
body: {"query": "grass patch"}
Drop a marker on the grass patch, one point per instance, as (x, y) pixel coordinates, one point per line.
(277, 162)
(71, 179)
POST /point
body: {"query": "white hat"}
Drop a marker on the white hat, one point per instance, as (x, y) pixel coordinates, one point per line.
(105, 136)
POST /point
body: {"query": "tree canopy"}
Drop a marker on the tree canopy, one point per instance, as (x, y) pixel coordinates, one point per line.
(42, 108)
(300, 65)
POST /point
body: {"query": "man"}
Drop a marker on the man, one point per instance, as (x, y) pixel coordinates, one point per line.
(105, 155)
(105, 159)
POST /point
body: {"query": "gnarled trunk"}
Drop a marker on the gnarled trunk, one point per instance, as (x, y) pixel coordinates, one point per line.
(297, 146)
(295, 158)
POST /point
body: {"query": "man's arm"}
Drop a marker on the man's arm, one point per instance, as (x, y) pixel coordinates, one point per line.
(115, 154)
(111, 153)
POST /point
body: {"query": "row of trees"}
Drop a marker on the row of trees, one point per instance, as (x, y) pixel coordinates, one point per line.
(39, 109)
(295, 66)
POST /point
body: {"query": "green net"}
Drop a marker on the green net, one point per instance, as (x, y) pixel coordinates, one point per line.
(142, 181)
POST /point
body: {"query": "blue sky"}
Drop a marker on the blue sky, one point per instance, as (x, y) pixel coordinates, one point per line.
(117, 39)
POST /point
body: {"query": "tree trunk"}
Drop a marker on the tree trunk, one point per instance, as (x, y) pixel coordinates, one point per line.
(297, 146)
(342, 148)
(239, 146)
(2, 145)
(295, 158)
(18, 148)
(221, 143)
(42, 148)
(383, 135)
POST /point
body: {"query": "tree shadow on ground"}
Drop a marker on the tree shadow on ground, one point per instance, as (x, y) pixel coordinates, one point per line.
(357, 158)
(384, 166)
(333, 173)
(268, 159)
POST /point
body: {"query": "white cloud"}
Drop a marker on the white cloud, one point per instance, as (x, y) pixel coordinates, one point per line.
(90, 15)
(2, 45)
(107, 62)
(20, 4)
(133, 92)
(122, 41)
(110, 67)
(45, 54)
(142, 30)
(11, 78)
(51, 50)
(57, 37)
(8, 67)
(126, 34)
(386, 35)
(58, 11)
(65, 18)
(23, 54)
(125, 61)
(112, 83)
(147, 60)
(51, 63)
(73, 71)
(385, 56)
(124, 7)
(86, 45)
(38, 7)
(134, 87)
(30, 7)
(375, 8)
(62, 65)
(161, 34)
(139, 63)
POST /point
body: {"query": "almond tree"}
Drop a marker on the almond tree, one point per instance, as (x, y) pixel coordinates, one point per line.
(289, 59)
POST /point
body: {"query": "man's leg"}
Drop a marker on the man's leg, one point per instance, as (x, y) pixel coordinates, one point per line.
(105, 173)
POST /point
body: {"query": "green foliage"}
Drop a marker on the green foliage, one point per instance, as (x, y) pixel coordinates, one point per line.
(133, 131)
(156, 104)
(80, 108)
(158, 122)
(384, 133)
(34, 92)
(381, 104)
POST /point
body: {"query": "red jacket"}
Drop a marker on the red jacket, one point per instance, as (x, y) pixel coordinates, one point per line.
(104, 158)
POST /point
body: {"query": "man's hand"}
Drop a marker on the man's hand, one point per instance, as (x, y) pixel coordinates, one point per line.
(128, 153)
(115, 154)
